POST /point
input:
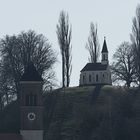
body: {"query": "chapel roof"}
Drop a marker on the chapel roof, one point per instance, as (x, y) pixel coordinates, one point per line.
(94, 67)
(31, 74)
(104, 49)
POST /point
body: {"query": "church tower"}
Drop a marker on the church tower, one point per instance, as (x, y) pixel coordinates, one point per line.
(31, 104)
(104, 53)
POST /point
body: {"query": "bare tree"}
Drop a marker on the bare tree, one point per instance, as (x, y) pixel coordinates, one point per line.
(92, 44)
(17, 52)
(10, 70)
(7, 88)
(123, 66)
(68, 58)
(135, 38)
(64, 39)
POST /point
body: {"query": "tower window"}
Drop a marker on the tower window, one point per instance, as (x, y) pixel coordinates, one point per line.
(97, 78)
(34, 100)
(31, 100)
(89, 78)
(104, 57)
(27, 100)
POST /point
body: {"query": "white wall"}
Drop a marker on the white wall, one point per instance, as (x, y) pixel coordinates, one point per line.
(106, 79)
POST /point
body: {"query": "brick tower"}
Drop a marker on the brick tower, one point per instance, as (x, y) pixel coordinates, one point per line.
(31, 104)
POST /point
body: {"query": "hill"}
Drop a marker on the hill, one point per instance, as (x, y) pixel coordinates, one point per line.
(87, 113)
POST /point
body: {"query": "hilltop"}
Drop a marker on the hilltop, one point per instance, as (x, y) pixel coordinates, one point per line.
(86, 113)
(79, 113)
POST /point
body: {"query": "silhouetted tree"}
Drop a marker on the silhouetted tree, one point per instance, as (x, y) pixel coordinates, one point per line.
(7, 88)
(64, 39)
(123, 66)
(9, 69)
(17, 52)
(92, 44)
(135, 38)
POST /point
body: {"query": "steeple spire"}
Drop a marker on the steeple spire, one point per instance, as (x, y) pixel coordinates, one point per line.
(104, 49)
(104, 53)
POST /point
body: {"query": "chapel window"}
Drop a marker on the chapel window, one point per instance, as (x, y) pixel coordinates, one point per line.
(97, 78)
(89, 78)
(83, 79)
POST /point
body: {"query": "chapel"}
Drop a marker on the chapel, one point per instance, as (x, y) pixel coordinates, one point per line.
(97, 73)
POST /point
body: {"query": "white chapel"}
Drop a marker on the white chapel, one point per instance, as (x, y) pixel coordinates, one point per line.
(97, 73)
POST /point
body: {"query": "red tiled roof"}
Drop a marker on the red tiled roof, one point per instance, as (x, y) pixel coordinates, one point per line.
(10, 136)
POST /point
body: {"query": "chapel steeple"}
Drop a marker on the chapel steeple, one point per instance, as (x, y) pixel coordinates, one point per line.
(104, 52)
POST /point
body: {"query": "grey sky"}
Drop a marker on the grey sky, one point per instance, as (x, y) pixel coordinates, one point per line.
(114, 19)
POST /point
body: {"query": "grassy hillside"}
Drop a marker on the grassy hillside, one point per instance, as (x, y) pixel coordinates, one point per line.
(93, 113)
(86, 113)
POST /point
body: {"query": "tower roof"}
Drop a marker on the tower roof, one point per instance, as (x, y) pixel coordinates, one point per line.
(104, 49)
(31, 74)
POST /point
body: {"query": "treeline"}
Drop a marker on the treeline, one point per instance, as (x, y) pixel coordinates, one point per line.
(18, 50)
(126, 65)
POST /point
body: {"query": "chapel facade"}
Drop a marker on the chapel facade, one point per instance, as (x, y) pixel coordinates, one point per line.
(97, 73)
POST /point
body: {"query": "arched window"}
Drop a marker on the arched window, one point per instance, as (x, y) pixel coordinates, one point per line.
(83, 79)
(89, 78)
(104, 57)
(97, 78)
(31, 100)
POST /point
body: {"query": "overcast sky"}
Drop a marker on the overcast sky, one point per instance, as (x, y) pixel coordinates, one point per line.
(114, 19)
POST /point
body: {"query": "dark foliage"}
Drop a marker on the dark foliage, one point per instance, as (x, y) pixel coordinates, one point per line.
(16, 53)
(123, 66)
(69, 114)
(10, 119)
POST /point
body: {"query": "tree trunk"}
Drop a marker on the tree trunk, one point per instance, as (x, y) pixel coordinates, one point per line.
(95, 53)
(63, 70)
(68, 76)
(128, 84)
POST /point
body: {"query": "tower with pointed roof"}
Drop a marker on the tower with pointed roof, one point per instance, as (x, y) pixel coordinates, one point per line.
(104, 53)
(97, 73)
(31, 104)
